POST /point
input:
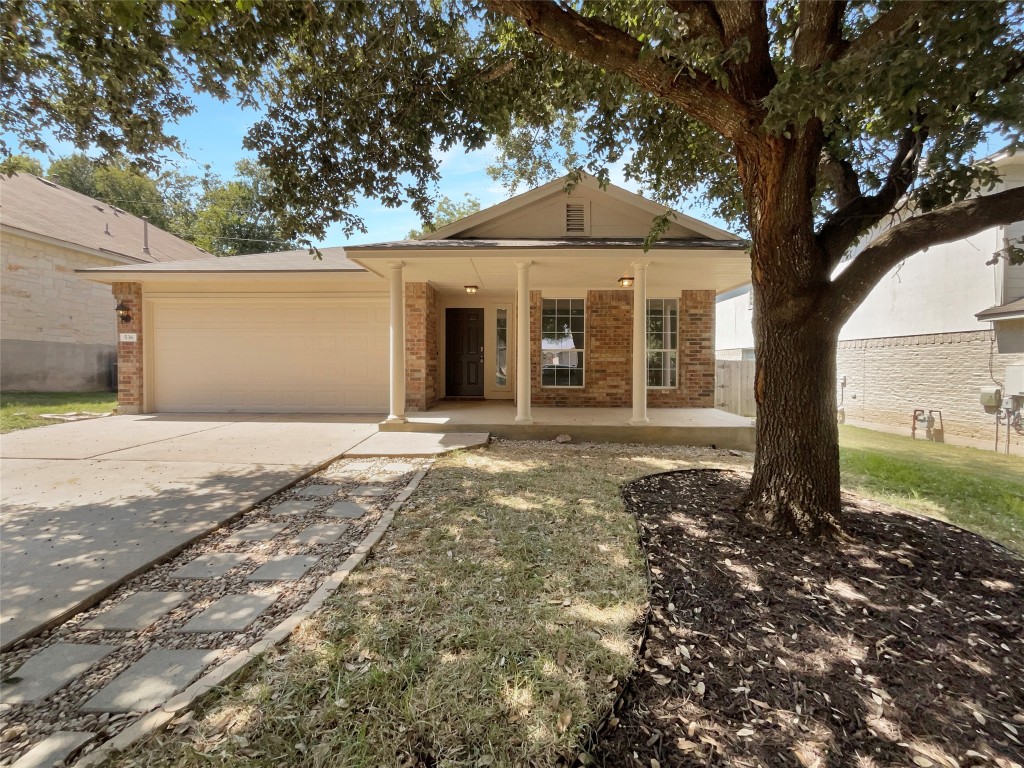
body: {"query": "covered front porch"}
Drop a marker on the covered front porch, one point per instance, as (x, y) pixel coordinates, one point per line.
(665, 426)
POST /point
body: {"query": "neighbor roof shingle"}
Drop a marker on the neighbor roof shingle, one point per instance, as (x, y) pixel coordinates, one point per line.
(40, 207)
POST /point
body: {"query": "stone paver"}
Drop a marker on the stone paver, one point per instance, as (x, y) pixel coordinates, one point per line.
(294, 507)
(209, 566)
(284, 568)
(318, 490)
(231, 613)
(349, 510)
(51, 669)
(151, 680)
(138, 611)
(400, 467)
(257, 532)
(322, 533)
(54, 749)
(369, 490)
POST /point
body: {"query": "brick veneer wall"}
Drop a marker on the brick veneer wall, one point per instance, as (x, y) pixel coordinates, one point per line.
(609, 354)
(422, 353)
(129, 354)
(887, 378)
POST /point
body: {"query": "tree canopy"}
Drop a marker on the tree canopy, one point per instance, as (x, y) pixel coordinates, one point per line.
(808, 122)
(446, 212)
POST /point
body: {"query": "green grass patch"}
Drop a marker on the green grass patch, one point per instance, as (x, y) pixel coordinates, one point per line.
(22, 410)
(979, 490)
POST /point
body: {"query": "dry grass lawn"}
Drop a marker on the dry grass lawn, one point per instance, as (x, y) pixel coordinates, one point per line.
(491, 628)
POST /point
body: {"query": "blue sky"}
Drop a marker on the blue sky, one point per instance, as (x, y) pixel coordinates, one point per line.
(213, 136)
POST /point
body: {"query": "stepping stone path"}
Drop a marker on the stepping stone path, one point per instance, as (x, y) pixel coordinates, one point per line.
(209, 566)
(53, 749)
(150, 681)
(322, 533)
(232, 613)
(138, 611)
(283, 568)
(69, 691)
(318, 490)
(347, 509)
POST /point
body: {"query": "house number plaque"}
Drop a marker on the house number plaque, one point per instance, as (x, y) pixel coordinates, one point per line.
(130, 337)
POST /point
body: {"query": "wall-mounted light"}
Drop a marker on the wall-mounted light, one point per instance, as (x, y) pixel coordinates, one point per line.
(471, 289)
(625, 281)
(123, 313)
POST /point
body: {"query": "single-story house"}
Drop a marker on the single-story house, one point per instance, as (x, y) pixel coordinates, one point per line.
(545, 299)
(936, 330)
(57, 331)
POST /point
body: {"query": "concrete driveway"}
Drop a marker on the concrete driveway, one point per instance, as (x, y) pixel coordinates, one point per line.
(86, 505)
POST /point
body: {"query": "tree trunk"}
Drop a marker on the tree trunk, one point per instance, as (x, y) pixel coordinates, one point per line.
(795, 486)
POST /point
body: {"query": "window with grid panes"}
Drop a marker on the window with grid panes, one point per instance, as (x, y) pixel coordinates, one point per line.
(662, 342)
(563, 342)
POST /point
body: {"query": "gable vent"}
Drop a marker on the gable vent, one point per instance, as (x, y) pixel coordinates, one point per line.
(575, 219)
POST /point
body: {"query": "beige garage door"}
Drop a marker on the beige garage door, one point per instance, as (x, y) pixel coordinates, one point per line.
(270, 356)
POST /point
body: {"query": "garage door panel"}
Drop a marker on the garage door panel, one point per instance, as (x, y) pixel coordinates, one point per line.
(271, 356)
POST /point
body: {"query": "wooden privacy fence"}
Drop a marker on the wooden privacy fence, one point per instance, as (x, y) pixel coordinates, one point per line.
(734, 386)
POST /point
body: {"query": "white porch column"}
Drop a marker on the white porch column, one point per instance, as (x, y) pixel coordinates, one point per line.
(523, 415)
(639, 343)
(397, 380)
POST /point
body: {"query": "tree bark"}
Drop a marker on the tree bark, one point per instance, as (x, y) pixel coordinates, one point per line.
(795, 485)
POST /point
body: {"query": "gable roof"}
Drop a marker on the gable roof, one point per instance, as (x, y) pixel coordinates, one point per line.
(534, 196)
(38, 207)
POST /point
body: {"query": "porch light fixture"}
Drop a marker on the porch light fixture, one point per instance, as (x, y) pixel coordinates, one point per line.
(471, 289)
(123, 313)
(626, 281)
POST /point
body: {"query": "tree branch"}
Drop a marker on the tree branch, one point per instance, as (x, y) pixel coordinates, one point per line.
(604, 45)
(842, 178)
(819, 34)
(952, 222)
(860, 214)
(888, 23)
(702, 15)
(754, 77)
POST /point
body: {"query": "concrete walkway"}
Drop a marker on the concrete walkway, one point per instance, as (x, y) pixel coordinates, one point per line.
(88, 504)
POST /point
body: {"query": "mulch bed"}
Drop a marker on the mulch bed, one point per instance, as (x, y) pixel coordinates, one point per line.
(903, 646)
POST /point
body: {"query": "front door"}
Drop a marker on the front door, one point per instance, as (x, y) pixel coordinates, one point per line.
(464, 352)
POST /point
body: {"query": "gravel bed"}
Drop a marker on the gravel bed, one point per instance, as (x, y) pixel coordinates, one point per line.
(24, 725)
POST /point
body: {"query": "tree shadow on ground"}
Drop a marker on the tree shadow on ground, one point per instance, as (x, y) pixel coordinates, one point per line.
(901, 646)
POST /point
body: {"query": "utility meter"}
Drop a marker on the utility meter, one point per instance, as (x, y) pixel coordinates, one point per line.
(991, 398)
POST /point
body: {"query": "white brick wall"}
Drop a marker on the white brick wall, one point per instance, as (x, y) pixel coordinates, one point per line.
(888, 378)
(42, 299)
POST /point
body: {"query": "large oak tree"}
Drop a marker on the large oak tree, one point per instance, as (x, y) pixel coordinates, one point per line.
(813, 123)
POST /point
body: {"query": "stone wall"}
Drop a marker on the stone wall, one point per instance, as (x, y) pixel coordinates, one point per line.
(130, 353)
(422, 351)
(58, 329)
(609, 354)
(887, 378)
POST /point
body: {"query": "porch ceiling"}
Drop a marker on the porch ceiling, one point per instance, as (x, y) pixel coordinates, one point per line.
(715, 270)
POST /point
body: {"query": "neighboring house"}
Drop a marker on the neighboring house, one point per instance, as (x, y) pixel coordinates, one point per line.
(520, 302)
(58, 331)
(932, 333)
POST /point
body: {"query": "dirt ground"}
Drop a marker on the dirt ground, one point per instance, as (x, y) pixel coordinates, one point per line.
(902, 646)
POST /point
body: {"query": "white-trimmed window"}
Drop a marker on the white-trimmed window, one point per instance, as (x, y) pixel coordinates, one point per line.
(662, 343)
(563, 342)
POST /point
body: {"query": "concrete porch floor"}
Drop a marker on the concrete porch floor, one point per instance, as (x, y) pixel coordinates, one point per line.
(668, 426)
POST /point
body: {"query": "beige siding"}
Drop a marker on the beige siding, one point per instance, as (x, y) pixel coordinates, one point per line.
(546, 219)
(44, 300)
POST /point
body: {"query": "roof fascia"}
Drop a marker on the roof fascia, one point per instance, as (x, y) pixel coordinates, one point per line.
(120, 258)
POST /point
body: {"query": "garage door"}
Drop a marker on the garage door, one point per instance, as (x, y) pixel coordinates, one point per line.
(270, 356)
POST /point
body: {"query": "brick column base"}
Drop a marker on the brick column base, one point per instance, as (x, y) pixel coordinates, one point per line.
(129, 353)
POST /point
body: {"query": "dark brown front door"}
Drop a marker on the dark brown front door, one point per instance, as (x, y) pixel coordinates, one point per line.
(464, 352)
